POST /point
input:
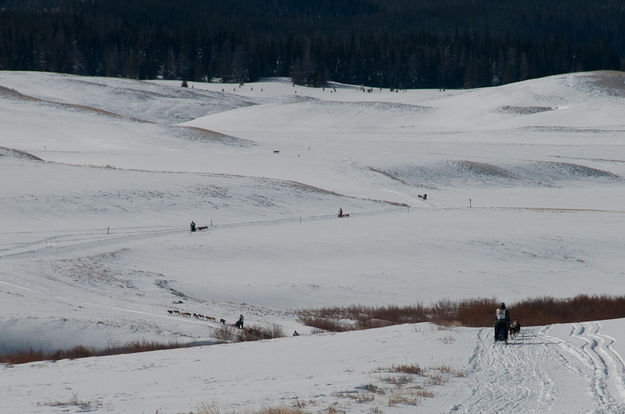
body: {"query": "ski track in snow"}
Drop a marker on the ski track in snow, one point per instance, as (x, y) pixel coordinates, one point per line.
(515, 377)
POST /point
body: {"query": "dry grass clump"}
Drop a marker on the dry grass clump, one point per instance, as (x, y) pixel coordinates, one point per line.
(398, 381)
(448, 369)
(74, 402)
(31, 355)
(420, 392)
(413, 369)
(469, 312)
(213, 408)
(401, 398)
(281, 410)
(435, 378)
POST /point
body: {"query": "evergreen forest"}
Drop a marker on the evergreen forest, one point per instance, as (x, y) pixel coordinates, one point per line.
(379, 43)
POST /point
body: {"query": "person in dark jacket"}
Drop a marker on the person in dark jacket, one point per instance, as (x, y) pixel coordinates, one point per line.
(502, 322)
(239, 323)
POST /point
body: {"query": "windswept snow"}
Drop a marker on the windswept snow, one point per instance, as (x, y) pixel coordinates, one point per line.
(100, 178)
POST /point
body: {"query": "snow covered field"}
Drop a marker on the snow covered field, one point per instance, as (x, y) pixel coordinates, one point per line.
(100, 178)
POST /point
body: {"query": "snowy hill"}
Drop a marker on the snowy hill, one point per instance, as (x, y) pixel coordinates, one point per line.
(101, 177)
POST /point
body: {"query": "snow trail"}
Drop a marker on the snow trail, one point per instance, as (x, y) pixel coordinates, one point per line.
(596, 360)
(516, 377)
(509, 377)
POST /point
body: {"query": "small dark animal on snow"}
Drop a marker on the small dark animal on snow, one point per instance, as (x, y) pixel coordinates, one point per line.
(515, 328)
(202, 228)
(222, 321)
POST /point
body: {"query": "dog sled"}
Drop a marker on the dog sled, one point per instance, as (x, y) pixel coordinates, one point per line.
(501, 332)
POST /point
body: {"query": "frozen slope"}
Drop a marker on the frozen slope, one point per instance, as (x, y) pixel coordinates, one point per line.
(562, 368)
(100, 178)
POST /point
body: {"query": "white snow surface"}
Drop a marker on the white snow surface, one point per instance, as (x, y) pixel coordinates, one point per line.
(99, 179)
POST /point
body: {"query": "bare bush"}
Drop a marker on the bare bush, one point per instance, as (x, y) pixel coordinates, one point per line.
(80, 351)
(423, 393)
(435, 378)
(469, 312)
(257, 333)
(325, 324)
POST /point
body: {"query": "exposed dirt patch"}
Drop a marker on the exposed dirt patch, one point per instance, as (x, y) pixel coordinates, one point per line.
(483, 169)
(11, 93)
(578, 170)
(12, 152)
(610, 82)
(388, 174)
(207, 135)
(524, 110)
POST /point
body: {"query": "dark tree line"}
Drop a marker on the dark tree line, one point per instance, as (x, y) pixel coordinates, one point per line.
(385, 43)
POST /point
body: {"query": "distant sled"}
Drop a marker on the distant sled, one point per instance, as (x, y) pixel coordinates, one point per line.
(195, 228)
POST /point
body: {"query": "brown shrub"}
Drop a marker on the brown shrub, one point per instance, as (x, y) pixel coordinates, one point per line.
(404, 369)
(80, 351)
(325, 324)
(581, 308)
(225, 333)
(469, 312)
(257, 333)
